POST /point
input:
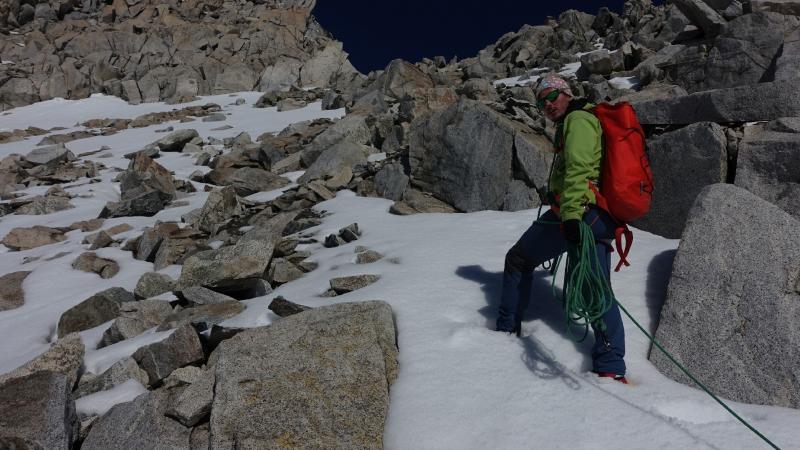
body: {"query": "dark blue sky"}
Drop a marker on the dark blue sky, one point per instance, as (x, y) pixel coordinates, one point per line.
(377, 31)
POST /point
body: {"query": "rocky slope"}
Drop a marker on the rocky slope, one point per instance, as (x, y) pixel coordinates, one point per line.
(714, 82)
(147, 50)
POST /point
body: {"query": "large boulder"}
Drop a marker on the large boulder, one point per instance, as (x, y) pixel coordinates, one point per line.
(683, 163)
(758, 102)
(136, 318)
(95, 310)
(194, 404)
(341, 156)
(703, 15)
(175, 141)
(238, 264)
(742, 54)
(220, 206)
(11, 293)
(250, 180)
(326, 67)
(352, 127)
(180, 349)
(42, 205)
(37, 412)
(120, 372)
(198, 296)
(391, 181)
(533, 156)
(464, 155)
(731, 326)
(202, 317)
(280, 76)
(65, 357)
(767, 166)
(151, 284)
(602, 62)
(145, 188)
(90, 262)
(144, 174)
(401, 79)
(317, 379)
(787, 7)
(788, 63)
(177, 246)
(424, 101)
(35, 236)
(147, 204)
(49, 155)
(140, 424)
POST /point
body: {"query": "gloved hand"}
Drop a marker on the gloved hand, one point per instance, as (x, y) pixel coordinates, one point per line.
(572, 230)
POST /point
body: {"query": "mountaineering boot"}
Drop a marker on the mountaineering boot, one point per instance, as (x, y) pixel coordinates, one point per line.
(614, 376)
(517, 330)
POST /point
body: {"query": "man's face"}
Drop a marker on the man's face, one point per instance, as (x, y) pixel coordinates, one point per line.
(555, 109)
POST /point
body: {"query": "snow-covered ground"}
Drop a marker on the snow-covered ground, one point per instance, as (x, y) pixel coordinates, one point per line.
(461, 385)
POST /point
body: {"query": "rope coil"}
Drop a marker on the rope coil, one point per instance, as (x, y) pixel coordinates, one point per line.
(587, 294)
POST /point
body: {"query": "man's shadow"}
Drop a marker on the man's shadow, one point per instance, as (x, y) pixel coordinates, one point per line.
(543, 306)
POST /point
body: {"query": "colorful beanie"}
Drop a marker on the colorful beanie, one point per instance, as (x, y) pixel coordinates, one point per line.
(552, 80)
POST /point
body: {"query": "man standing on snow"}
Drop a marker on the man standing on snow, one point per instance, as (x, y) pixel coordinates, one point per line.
(578, 143)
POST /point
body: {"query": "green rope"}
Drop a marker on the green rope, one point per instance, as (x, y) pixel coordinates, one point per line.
(686, 371)
(587, 296)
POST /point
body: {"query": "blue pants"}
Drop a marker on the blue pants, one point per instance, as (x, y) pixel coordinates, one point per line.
(542, 242)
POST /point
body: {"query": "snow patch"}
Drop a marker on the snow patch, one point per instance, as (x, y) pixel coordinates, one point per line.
(99, 403)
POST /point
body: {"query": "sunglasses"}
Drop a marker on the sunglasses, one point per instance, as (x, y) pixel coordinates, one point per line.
(551, 97)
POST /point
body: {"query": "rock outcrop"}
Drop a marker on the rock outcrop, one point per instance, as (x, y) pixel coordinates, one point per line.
(11, 293)
(464, 155)
(148, 50)
(721, 319)
(683, 163)
(319, 378)
(37, 411)
(767, 165)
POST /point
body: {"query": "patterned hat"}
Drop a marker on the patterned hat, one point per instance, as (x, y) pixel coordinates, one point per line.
(552, 80)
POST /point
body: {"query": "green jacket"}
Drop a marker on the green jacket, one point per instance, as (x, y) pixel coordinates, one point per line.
(579, 138)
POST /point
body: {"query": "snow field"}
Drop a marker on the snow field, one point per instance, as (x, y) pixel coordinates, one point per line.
(461, 385)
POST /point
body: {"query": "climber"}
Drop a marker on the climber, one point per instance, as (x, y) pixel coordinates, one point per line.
(578, 147)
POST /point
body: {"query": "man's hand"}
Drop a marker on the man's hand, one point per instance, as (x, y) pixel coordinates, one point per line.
(572, 230)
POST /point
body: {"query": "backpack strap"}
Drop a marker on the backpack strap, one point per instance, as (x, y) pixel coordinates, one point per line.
(622, 230)
(599, 199)
(619, 233)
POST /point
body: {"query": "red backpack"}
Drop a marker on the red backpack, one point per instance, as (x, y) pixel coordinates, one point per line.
(626, 181)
